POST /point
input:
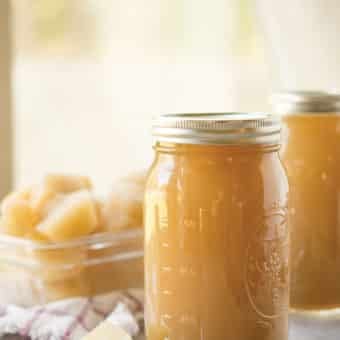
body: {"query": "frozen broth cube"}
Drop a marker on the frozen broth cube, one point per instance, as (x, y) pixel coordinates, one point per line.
(18, 218)
(73, 216)
(66, 183)
(124, 206)
(54, 184)
(14, 196)
(7, 227)
(40, 197)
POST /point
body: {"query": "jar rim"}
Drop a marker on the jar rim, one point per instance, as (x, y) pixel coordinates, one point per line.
(301, 101)
(217, 128)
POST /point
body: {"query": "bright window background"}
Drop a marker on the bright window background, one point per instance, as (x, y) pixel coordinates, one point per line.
(89, 75)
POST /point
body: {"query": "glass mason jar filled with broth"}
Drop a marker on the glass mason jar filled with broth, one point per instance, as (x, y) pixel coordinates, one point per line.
(216, 237)
(311, 153)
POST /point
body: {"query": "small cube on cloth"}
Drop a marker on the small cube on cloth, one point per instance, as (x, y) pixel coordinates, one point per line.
(107, 331)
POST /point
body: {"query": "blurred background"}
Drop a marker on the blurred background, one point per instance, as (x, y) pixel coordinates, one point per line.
(87, 75)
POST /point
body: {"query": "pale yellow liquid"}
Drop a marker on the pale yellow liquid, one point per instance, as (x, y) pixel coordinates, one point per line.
(311, 154)
(216, 244)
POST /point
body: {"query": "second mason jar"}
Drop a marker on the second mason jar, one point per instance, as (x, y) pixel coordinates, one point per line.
(216, 237)
(311, 153)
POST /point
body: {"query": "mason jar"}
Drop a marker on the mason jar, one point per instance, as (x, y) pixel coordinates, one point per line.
(311, 154)
(216, 236)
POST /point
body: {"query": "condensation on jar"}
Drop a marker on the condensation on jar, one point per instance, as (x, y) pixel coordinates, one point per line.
(311, 156)
(216, 236)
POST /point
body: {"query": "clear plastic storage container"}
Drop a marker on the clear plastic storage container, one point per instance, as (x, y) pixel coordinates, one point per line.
(35, 273)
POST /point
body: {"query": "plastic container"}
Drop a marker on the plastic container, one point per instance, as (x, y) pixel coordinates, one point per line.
(34, 273)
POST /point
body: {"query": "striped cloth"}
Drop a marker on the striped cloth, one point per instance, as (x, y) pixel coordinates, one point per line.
(72, 319)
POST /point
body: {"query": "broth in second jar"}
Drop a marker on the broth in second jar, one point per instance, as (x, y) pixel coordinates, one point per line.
(311, 154)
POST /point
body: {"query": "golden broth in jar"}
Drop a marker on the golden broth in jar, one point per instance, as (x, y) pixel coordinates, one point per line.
(311, 154)
(216, 237)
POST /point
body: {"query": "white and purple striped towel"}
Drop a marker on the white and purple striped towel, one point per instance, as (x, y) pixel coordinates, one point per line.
(72, 319)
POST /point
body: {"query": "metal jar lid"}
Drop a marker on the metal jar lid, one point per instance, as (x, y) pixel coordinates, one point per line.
(217, 128)
(306, 102)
